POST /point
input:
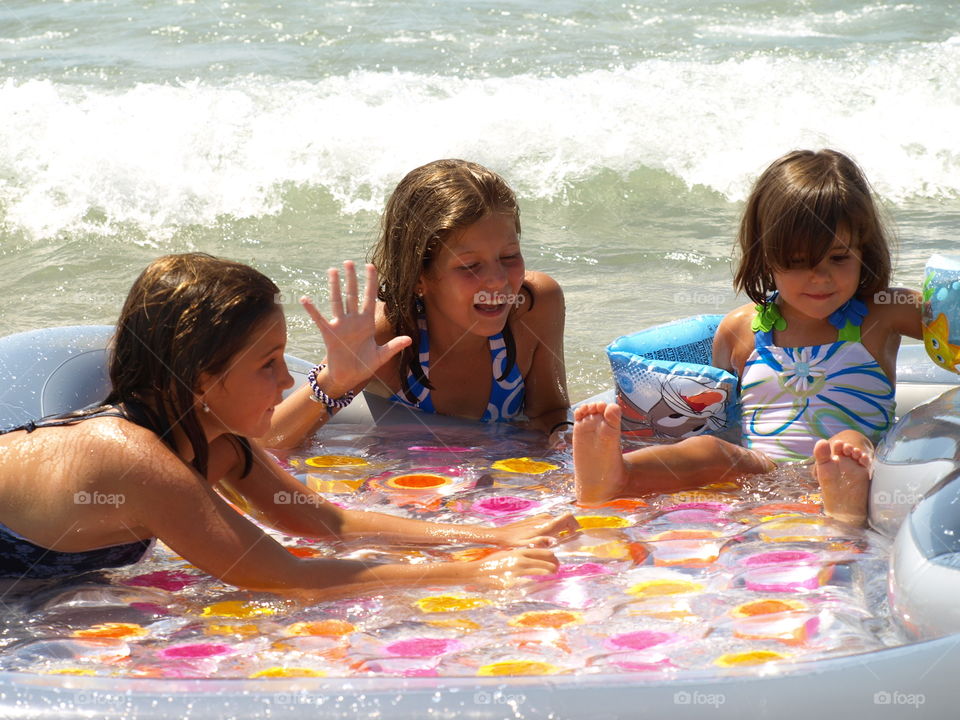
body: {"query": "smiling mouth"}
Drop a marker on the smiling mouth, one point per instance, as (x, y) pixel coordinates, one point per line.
(490, 309)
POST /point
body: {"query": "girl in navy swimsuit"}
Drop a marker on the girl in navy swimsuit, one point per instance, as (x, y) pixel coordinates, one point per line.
(196, 367)
(487, 335)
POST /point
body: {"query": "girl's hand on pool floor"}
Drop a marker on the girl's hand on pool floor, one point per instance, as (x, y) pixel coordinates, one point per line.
(350, 335)
(539, 531)
(509, 568)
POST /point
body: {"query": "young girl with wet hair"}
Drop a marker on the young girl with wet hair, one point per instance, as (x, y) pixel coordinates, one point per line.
(487, 333)
(197, 368)
(815, 350)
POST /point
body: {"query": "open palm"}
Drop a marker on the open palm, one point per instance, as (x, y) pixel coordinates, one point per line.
(353, 354)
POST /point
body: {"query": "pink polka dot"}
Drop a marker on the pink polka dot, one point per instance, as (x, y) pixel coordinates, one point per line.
(189, 652)
(423, 647)
(165, 579)
(783, 557)
(504, 505)
(639, 640)
(587, 569)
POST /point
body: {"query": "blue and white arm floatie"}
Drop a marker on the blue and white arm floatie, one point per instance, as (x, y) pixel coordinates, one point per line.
(666, 385)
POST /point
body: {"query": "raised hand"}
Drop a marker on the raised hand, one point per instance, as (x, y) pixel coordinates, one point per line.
(350, 335)
(539, 530)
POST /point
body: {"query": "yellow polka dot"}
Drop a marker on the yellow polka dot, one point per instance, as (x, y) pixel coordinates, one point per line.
(596, 522)
(525, 465)
(751, 657)
(71, 671)
(242, 630)
(326, 485)
(455, 623)
(449, 603)
(795, 529)
(658, 588)
(326, 461)
(518, 667)
(288, 672)
(237, 609)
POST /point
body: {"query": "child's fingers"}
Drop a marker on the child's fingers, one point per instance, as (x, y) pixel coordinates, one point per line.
(538, 556)
(319, 320)
(542, 541)
(392, 347)
(370, 291)
(350, 270)
(336, 300)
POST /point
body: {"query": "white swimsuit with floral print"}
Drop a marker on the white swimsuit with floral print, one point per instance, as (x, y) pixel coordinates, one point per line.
(792, 397)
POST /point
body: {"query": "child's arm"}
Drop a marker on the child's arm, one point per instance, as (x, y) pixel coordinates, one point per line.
(279, 500)
(353, 355)
(545, 384)
(907, 312)
(180, 508)
(733, 339)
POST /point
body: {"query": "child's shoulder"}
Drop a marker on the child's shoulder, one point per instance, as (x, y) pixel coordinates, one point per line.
(738, 320)
(733, 340)
(540, 296)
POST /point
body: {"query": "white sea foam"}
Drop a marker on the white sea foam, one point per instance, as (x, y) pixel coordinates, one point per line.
(165, 156)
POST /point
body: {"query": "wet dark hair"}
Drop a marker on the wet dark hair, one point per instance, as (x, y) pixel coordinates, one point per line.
(185, 315)
(428, 206)
(796, 208)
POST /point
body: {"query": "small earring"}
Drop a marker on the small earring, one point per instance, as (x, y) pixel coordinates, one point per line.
(206, 408)
(418, 303)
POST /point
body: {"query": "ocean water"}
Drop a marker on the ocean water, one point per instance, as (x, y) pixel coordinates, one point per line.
(272, 133)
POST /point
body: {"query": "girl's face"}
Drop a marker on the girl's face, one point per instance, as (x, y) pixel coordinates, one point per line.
(242, 397)
(819, 291)
(476, 276)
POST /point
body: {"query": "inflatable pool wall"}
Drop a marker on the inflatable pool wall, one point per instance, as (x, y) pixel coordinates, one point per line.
(55, 370)
(919, 451)
(49, 371)
(924, 581)
(666, 385)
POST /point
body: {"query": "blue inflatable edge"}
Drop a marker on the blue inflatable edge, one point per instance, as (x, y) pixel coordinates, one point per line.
(680, 348)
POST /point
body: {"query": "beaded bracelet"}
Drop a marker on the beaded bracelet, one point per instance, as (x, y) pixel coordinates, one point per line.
(559, 425)
(319, 396)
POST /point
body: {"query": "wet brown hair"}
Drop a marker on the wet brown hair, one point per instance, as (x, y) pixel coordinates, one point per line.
(796, 208)
(428, 206)
(185, 315)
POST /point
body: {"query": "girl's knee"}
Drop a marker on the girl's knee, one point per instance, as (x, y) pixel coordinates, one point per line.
(705, 448)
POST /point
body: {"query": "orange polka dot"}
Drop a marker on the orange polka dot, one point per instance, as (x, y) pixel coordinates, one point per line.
(324, 628)
(112, 630)
(546, 619)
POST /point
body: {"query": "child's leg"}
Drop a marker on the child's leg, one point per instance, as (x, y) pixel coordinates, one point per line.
(842, 467)
(602, 473)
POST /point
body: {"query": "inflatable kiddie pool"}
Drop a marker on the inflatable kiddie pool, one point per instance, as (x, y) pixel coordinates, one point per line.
(49, 371)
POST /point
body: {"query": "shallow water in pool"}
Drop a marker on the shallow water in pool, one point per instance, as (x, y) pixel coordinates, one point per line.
(747, 575)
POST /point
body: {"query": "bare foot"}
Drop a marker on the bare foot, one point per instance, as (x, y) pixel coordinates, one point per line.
(597, 463)
(843, 471)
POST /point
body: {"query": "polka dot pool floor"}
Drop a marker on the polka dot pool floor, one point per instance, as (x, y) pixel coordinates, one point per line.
(747, 576)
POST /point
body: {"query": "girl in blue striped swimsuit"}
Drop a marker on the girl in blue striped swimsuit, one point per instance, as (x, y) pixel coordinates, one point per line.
(466, 329)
